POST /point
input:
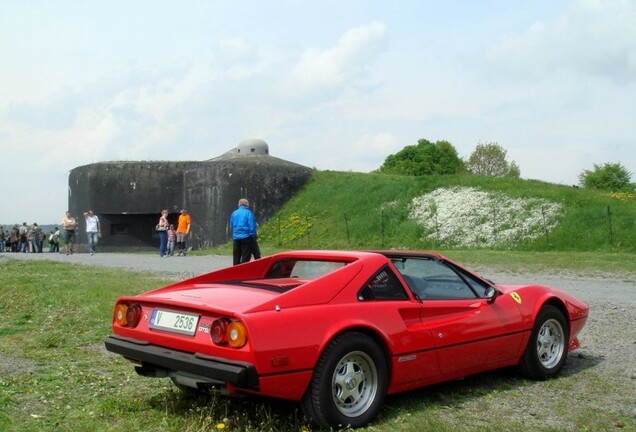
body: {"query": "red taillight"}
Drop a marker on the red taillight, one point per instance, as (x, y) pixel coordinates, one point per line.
(232, 333)
(218, 333)
(127, 315)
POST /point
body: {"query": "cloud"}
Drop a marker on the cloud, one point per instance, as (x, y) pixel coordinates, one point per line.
(236, 50)
(58, 112)
(596, 38)
(343, 64)
(133, 114)
(238, 59)
(371, 148)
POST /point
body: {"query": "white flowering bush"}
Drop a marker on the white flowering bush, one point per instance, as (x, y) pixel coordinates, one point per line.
(470, 217)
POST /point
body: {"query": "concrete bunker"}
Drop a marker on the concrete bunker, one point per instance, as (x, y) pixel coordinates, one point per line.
(129, 196)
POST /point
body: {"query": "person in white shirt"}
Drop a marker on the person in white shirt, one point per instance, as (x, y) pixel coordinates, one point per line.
(93, 230)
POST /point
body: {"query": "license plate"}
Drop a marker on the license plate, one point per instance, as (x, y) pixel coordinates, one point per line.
(176, 322)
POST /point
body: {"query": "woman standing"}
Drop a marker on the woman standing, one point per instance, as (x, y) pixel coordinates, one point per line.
(162, 230)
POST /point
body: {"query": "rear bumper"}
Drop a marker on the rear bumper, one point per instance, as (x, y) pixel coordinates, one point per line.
(239, 374)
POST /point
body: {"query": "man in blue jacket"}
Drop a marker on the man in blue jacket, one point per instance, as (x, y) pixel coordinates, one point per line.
(243, 226)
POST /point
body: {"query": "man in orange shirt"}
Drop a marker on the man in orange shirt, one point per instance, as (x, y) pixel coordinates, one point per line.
(183, 229)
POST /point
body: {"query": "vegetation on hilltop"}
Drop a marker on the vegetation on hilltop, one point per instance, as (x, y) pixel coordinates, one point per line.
(489, 159)
(612, 177)
(355, 210)
(424, 158)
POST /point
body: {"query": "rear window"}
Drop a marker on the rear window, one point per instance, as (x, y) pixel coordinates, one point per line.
(302, 269)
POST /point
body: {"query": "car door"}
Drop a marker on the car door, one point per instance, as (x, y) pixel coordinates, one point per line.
(470, 333)
(414, 361)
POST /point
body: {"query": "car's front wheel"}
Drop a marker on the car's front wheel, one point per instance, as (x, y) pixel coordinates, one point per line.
(349, 383)
(547, 349)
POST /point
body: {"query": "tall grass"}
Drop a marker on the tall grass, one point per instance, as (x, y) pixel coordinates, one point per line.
(356, 210)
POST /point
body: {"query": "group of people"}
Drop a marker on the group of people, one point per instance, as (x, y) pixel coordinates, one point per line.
(93, 231)
(27, 238)
(242, 224)
(171, 239)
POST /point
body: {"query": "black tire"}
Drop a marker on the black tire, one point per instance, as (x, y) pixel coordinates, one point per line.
(547, 349)
(349, 383)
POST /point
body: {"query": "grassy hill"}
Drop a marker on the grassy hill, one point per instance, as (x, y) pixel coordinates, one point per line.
(354, 210)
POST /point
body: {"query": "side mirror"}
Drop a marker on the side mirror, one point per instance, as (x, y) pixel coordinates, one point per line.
(491, 294)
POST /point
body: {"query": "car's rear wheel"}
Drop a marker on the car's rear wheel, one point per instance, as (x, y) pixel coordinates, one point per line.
(349, 383)
(547, 349)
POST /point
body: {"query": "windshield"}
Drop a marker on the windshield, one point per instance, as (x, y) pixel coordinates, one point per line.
(433, 279)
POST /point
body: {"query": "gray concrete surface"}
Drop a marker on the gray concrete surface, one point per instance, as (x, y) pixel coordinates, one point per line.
(173, 267)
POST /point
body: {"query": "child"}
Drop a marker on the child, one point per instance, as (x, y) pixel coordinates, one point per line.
(172, 236)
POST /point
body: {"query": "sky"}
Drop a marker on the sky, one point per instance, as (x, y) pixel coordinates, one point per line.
(330, 84)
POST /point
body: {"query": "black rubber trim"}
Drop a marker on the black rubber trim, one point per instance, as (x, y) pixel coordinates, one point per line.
(237, 373)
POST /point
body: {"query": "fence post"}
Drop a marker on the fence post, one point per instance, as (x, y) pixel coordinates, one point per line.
(382, 227)
(545, 228)
(347, 227)
(494, 223)
(609, 221)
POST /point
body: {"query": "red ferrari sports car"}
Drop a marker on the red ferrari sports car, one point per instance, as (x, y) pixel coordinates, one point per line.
(338, 331)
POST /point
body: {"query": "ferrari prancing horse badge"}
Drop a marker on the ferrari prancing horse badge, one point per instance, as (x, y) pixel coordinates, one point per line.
(516, 297)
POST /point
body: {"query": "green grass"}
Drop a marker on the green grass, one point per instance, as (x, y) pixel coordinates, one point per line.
(346, 210)
(551, 261)
(55, 374)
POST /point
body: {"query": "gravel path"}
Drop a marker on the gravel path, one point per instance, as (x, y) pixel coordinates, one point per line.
(173, 267)
(588, 287)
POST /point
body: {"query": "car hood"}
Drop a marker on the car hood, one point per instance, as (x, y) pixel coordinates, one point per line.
(533, 289)
(537, 292)
(508, 288)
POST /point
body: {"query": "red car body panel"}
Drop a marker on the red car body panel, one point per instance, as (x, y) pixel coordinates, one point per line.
(290, 321)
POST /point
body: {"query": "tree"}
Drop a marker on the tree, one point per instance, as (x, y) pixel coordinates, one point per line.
(424, 158)
(489, 159)
(609, 176)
